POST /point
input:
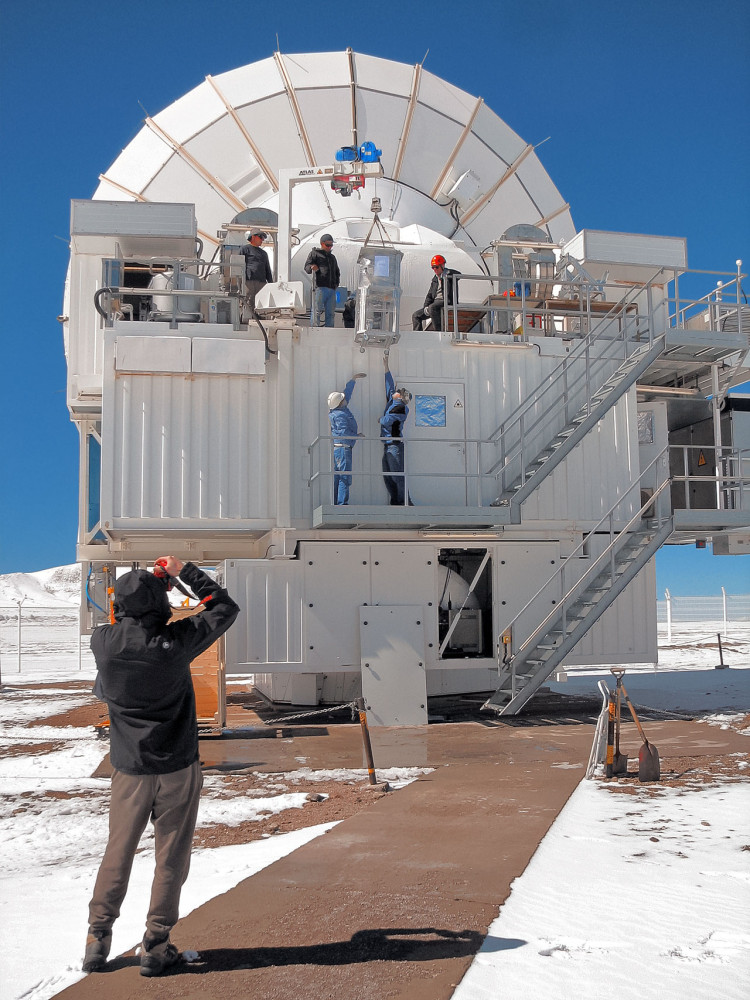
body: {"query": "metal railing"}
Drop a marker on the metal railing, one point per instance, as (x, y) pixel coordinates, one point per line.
(659, 512)
(729, 485)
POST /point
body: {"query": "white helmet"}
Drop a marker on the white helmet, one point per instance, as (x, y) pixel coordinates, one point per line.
(335, 399)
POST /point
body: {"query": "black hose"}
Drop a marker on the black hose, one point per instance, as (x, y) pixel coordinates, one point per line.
(263, 331)
(97, 296)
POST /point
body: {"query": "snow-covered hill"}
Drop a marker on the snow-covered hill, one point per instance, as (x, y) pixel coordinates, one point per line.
(47, 588)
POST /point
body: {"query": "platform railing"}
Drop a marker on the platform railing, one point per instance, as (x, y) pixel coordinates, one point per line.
(469, 487)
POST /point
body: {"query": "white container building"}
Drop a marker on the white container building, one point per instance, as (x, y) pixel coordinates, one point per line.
(548, 449)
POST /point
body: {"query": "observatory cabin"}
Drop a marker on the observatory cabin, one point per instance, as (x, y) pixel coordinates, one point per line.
(565, 420)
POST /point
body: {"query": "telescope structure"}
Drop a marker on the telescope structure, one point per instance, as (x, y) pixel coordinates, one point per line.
(568, 408)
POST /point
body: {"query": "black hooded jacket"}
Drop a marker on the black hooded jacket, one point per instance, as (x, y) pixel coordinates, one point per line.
(144, 669)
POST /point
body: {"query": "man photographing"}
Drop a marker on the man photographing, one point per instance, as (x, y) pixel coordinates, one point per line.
(143, 666)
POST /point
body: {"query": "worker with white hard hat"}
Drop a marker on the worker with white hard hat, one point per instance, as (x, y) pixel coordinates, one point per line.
(257, 266)
(344, 433)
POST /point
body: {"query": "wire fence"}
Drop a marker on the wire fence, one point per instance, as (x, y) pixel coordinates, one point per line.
(724, 609)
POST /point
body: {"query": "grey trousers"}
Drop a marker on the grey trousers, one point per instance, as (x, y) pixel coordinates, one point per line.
(171, 801)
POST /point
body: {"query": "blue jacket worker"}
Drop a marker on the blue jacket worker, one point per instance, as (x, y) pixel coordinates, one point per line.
(392, 434)
(326, 277)
(344, 433)
(143, 673)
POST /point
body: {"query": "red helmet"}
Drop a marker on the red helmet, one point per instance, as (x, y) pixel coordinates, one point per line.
(437, 261)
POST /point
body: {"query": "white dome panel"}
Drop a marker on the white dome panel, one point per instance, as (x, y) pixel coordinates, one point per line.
(535, 178)
(227, 175)
(383, 75)
(452, 102)
(381, 121)
(497, 135)
(432, 139)
(192, 113)
(250, 83)
(271, 125)
(178, 181)
(317, 69)
(139, 161)
(320, 108)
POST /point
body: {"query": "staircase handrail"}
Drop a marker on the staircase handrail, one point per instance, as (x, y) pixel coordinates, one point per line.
(587, 576)
(581, 352)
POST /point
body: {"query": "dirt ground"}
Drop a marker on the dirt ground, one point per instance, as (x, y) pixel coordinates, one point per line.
(395, 901)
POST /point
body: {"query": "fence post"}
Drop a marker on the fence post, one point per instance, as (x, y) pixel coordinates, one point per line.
(669, 616)
(19, 603)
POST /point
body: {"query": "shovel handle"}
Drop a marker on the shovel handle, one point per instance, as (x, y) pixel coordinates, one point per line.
(632, 712)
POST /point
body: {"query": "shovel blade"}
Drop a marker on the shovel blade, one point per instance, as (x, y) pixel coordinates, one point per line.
(649, 768)
(620, 764)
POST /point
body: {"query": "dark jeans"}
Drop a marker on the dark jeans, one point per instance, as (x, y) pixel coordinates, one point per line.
(393, 462)
(433, 311)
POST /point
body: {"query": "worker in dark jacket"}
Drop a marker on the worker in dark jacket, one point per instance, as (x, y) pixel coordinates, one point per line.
(324, 268)
(439, 293)
(392, 434)
(143, 668)
(257, 266)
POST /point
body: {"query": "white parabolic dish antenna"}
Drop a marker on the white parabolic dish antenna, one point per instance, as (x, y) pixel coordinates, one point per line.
(456, 176)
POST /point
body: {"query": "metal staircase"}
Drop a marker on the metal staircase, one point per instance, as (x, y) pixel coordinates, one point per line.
(619, 348)
(583, 602)
(592, 411)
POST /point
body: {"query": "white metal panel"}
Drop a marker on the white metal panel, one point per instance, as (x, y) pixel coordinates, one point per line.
(253, 82)
(628, 248)
(452, 102)
(179, 175)
(179, 450)
(313, 70)
(224, 151)
(338, 105)
(269, 629)
(533, 176)
(272, 125)
(337, 582)
(394, 684)
(191, 113)
(152, 354)
(229, 357)
(138, 163)
(383, 75)
(496, 134)
(432, 137)
(520, 571)
(382, 115)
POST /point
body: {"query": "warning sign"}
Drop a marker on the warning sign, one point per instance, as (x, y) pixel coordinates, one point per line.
(701, 459)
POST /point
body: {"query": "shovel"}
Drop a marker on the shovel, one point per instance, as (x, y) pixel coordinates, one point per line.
(620, 760)
(648, 756)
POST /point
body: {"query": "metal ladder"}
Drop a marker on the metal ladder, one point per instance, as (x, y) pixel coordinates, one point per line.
(584, 602)
(533, 473)
(524, 462)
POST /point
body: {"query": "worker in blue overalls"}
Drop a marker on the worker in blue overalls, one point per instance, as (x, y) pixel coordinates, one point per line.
(344, 433)
(392, 434)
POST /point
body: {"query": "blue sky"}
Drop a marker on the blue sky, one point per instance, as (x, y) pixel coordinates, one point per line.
(646, 105)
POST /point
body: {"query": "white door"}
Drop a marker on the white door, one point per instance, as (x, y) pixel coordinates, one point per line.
(438, 458)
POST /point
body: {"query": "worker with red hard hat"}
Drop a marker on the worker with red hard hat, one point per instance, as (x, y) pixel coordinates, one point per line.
(439, 294)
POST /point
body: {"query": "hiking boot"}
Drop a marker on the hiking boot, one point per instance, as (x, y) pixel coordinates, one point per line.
(156, 956)
(98, 944)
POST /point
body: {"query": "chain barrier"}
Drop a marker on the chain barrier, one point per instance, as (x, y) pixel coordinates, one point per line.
(308, 715)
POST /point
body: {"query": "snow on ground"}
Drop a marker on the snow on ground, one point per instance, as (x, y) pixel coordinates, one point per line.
(642, 894)
(632, 896)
